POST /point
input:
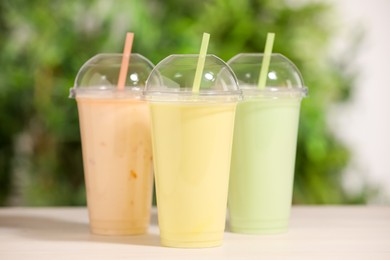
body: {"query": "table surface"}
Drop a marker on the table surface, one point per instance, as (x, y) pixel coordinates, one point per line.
(316, 232)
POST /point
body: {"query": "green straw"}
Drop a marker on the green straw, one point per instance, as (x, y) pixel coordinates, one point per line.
(201, 61)
(266, 59)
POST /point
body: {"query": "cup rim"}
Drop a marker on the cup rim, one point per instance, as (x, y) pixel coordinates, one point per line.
(186, 93)
(268, 91)
(107, 91)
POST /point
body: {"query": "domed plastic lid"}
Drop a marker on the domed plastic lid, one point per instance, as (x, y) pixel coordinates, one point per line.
(283, 79)
(172, 80)
(98, 77)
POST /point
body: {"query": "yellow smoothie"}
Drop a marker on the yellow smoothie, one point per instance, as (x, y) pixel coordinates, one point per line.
(192, 148)
(117, 155)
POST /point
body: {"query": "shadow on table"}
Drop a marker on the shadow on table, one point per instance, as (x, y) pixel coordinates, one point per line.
(48, 228)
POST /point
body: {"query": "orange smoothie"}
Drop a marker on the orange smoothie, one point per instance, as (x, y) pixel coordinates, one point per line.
(117, 155)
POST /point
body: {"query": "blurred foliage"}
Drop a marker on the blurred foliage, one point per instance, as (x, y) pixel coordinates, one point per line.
(43, 43)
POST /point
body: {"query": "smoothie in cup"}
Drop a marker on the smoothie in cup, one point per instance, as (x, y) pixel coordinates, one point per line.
(192, 138)
(116, 144)
(264, 145)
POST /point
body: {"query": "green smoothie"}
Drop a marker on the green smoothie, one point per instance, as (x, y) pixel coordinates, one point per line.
(262, 165)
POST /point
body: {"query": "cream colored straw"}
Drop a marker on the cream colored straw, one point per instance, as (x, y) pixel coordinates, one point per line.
(201, 62)
(125, 60)
(266, 60)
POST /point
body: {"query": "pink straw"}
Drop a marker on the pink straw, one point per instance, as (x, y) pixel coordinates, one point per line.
(125, 60)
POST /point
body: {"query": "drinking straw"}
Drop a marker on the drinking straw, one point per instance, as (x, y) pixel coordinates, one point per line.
(125, 60)
(201, 61)
(266, 60)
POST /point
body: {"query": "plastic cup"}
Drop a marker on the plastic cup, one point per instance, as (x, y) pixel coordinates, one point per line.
(116, 144)
(192, 140)
(264, 145)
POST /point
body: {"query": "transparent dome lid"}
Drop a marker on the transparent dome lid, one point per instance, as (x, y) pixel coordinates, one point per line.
(98, 77)
(173, 79)
(283, 78)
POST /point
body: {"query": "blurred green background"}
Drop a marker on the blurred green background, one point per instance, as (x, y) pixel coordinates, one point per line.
(43, 43)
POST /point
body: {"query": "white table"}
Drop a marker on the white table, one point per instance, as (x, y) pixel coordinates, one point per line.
(330, 232)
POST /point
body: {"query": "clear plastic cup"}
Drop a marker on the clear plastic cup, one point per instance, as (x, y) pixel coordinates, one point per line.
(116, 144)
(192, 139)
(264, 145)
